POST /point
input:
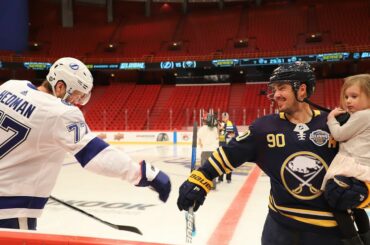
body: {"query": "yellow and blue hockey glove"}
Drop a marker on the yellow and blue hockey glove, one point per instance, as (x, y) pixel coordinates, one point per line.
(344, 193)
(193, 191)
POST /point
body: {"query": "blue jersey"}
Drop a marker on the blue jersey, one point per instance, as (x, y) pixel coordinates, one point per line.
(295, 157)
(227, 132)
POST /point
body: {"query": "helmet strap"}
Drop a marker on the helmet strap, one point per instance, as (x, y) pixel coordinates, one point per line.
(295, 86)
(315, 105)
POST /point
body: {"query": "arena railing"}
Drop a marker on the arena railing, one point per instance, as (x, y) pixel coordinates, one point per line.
(216, 55)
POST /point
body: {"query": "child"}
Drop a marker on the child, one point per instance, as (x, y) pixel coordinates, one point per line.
(353, 158)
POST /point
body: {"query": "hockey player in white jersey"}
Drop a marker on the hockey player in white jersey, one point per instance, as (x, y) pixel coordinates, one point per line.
(38, 126)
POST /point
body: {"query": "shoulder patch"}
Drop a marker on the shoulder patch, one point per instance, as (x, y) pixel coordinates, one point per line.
(319, 137)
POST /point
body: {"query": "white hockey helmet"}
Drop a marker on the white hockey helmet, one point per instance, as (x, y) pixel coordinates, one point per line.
(74, 74)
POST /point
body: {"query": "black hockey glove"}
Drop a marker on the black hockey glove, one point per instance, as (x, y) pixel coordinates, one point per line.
(193, 191)
(343, 118)
(155, 178)
(344, 193)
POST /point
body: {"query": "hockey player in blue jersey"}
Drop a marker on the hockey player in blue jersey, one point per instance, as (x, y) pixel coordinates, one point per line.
(38, 126)
(294, 148)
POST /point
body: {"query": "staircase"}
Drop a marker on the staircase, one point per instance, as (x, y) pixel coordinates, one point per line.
(160, 104)
(237, 91)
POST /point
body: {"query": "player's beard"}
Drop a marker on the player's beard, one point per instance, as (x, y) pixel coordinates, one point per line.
(286, 105)
(282, 104)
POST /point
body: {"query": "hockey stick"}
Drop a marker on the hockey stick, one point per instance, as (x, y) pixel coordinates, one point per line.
(190, 218)
(118, 227)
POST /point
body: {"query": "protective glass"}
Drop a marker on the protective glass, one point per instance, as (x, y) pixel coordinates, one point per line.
(78, 98)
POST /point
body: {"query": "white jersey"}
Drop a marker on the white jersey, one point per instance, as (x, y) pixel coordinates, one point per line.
(208, 138)
(36, 131)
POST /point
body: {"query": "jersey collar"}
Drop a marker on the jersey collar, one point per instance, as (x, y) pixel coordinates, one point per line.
(315, 114)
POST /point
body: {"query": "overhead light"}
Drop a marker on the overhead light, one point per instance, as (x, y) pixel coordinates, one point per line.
(34, 46)
(111, 47)
(314, 37)
(241, 43)
(175, 45)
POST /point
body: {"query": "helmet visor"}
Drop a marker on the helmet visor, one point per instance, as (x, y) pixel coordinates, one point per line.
(78, 98)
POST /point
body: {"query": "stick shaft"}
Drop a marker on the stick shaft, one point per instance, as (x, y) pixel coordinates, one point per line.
(118, 227)
(190, 222)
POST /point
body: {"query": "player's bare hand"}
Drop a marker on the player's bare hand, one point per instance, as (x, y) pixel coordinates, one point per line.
(337, 111)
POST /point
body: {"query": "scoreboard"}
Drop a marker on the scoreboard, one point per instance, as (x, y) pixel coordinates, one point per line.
(217, 63)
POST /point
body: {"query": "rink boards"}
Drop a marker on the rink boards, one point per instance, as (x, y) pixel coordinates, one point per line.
(232, 214)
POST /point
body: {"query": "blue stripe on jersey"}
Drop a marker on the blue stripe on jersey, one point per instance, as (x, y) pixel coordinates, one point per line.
(31, 86)
(90, 150)
(23, 202)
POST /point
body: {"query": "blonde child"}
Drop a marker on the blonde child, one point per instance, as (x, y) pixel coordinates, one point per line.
(353, 158)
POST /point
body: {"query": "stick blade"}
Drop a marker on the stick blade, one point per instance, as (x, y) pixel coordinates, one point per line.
(123, 227)
(129, 228)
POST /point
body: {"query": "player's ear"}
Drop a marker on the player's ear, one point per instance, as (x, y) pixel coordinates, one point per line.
(302, 91)
(60, 89)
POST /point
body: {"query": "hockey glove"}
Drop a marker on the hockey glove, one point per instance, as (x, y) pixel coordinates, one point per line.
(158, 180)
(193, 191)
(343, 118)
(344, 193)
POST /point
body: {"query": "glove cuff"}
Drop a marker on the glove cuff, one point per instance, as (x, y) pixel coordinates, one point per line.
(199, 179)
(148, 174)
(366, 202)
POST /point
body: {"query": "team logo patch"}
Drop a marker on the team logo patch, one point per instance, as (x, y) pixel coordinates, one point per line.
(302, 175)
(74, 66)
(301, 128)
(319, 137)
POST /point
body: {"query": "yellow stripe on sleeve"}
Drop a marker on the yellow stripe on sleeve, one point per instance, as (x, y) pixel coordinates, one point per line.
(214, 165)
(218, 158)
(227, 162)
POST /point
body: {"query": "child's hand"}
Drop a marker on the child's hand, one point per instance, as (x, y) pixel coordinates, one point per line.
(337, 111)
